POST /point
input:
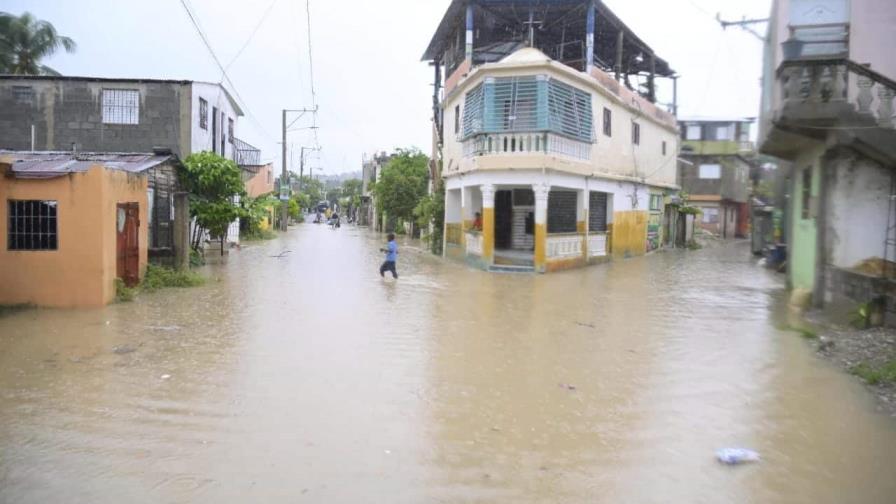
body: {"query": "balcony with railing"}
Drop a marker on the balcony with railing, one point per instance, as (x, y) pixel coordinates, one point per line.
(820, 89)
(527, 115)
(245, 154)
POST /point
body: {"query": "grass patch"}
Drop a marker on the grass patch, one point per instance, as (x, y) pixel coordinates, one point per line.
(876, 376)
(6, 310)
(159, 277)
(258, 234)
(804, 332)
(123, 293)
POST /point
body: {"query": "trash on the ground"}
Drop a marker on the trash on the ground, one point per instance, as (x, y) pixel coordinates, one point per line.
(567, 386)
(165, 376)
(734, 456)
(123, 349)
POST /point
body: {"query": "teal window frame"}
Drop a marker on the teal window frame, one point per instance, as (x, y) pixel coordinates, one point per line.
(528, 104)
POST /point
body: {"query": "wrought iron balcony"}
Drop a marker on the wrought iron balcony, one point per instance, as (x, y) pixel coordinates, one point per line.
(244, 154)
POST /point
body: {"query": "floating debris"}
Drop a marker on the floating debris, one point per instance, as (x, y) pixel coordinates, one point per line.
(734, 456)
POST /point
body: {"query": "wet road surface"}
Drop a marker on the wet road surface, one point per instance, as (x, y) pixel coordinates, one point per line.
(307, 378)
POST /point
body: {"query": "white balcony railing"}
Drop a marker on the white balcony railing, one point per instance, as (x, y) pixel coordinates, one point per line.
(526, 143)
(597, 245)
(474, 244)
(564, 246)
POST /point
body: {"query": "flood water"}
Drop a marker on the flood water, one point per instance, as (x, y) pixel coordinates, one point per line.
(307, 378)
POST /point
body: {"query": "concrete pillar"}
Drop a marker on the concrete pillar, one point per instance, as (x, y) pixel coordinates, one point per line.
(181, 230)
(589, 38)
(469, 36)
(583, 201)
(465, 223)
(488, 222)
(541, 225)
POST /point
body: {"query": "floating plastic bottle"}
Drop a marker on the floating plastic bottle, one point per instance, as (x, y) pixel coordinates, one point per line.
(734, 456)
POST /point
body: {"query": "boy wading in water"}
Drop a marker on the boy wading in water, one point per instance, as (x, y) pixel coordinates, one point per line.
(391, 251)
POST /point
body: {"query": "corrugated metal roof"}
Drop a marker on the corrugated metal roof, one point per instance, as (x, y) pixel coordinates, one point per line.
(26, 164)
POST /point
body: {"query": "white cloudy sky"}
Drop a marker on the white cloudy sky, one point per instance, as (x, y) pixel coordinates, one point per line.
(373, 91)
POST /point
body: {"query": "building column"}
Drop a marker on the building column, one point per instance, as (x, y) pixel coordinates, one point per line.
(181, 231)
(541, 225)
(589, 38)
(488, 222)
(469, 35)
(464, 211)
(582, 219)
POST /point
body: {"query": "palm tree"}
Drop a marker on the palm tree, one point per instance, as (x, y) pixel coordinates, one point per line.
(25, 41)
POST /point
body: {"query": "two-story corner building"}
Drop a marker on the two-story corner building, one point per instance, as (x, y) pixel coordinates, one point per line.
(554, 153)
(717, 158)
(55, 113)
(827, 106)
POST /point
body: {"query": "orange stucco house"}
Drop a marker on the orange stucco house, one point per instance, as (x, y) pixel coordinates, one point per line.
(70, 224)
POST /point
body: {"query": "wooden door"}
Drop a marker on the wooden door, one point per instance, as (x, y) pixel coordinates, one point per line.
(127, 225)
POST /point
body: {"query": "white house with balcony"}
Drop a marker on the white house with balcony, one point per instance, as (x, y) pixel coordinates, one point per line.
(551, 157)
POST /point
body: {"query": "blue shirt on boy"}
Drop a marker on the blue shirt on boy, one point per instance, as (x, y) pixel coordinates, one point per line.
(392, 251)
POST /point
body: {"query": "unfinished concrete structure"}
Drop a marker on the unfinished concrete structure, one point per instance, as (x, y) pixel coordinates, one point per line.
(548, 129)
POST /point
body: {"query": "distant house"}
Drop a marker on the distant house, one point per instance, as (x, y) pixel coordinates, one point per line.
(73, 223)
(54, 113)
(259, 180)
(716, 174)
(371, 170)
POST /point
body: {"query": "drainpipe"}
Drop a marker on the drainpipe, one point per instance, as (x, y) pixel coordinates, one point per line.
(32, 138)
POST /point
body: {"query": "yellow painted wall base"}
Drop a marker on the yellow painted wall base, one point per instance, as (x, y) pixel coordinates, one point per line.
(564, 264)
(629, 233)
(541, 243)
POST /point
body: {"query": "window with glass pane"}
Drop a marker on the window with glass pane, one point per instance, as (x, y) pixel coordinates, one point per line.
(121, 106)
(203, 114)
(31, 225)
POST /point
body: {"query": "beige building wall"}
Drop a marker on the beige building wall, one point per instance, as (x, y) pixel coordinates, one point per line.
(82, 271)
(262, 182)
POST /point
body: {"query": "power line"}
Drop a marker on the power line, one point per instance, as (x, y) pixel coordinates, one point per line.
(310, 52)
(211, 51)
(252, 35)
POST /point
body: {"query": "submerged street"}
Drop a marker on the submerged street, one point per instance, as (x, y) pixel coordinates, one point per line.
(308, 378)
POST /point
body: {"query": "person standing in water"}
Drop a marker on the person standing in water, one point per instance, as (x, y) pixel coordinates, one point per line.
(391, 251)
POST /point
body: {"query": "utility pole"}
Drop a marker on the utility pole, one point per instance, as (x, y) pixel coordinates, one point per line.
(744, 24)
(284, 173)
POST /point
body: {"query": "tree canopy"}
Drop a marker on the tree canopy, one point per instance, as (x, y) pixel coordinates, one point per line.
(403, 183)
(213, 182)
(25, 41)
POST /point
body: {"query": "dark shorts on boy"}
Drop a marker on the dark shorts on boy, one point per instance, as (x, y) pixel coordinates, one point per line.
(388, 266)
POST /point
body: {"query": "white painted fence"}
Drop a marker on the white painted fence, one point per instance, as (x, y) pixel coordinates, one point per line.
(597, 245)
(564, 246)
(474, 244)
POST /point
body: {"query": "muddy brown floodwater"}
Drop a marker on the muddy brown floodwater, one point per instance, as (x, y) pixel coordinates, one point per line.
(307, 378)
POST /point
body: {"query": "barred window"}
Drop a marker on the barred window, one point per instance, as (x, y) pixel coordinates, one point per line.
(203, 114)
(32, 225)
(121, 106)
(230, 130)
(636, 133)
(570, 111)
(23, 94)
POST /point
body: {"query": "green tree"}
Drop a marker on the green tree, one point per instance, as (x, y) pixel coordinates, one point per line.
(214, 183)
(403, 184)
(431, 210)
(25, 41)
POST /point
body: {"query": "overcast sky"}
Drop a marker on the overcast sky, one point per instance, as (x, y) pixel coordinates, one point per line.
(373, 91)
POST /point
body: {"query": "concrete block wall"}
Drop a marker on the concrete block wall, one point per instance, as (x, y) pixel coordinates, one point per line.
(66, 112)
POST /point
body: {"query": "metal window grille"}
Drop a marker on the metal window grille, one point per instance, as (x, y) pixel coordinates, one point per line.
(562, 212)
(636, 133)
(570, 111)
(664, 147)
(23, 94)
(230, 130)
(473, 110)
(32, 225)
(121, 106)
(203, 114)
(512, 105)
(597, 212)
